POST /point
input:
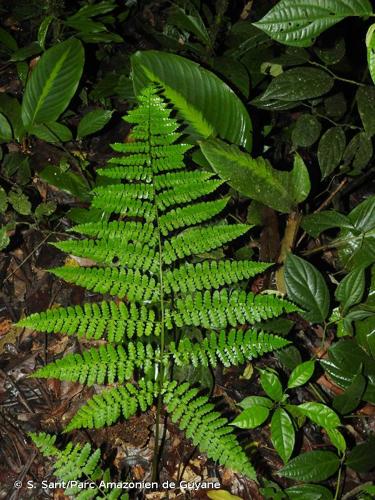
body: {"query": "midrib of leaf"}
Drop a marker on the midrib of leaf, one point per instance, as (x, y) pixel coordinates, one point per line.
(48, 85)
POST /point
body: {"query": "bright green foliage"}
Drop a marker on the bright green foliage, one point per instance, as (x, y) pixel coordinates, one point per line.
(73, 463)
(156, 262)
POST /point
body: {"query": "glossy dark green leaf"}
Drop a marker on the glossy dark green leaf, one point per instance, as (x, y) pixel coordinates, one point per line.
(11, 108)
(93, 122)
(234, 72)
(314, 224)
(332, 55)
(297, 84)
(26, 52)
(314, 466)
(309, 492)
(358, 153)
(19, 202)
(366, 108)
(45, 209)
(52, 132)
(298, 23)
(320, 414)
(351, 398)
(251, 401)
(251, 417)
(306, 286)
(271, 385)
(356, 245)
(3, 200)
(335, 106)
(331, 150)
(289, 356)
(282, 434)
(7, 40)
(203, 110)
(66, 181)
(361, 457)
(337, 439)
(192, 23)
(256, 178)
(5, 129)
(370, 44)
(53, 83)
(301, 374)
(351, 289)
(43, 30)
(306, 131)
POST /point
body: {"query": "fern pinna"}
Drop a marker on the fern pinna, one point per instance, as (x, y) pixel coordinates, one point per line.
(154, 258)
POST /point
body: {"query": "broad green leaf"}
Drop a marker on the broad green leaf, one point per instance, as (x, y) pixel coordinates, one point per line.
(361, 457)
(356, 244)
(351, 398)
(256, 178)
(351, 289)
(4, 238)
(335, 106)
(53, 83)
(11, 108)
(306, 131)
(251, 401)
(43, 30)
(314, 224)
(234, 71)
(4, 202)
(22, 71)
(298, 84)
(320, 414)
(331, 150)
(298, 23)
(301, 374)
(370, 44)
(282, 434)
(26, 52)
(203, 110)
(308, 492)
(189, 22)
(251, 417)
(19, 202)
(51, 132)
(314, 466)
(66, 181)
(5, 129)
(366, 108)
(358, 153)
(45, 209)
(8, 40)
(289, 356)
(306, 286)
(334, 54)
(93, 122)
(337, 439)
(271, 385)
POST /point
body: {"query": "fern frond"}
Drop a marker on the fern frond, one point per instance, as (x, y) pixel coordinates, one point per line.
(129, 255)
(221, 309)
(106, 408)
(72, 463)
(206, 428)
(106, 364)
(230, 349)
(131, 284)
(115, 200)
(96, 320)
(130, 231)
(197, 240)
(190, 215)
(174, 179)
(186, 193)
(211, 274)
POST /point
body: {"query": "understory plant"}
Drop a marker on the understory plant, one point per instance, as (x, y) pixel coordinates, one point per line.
(169, 300)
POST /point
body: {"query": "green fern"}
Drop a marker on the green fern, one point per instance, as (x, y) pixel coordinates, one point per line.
(156, 262)
(77, 463)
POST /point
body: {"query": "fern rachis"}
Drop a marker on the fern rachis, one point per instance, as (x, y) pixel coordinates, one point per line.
(148, 261)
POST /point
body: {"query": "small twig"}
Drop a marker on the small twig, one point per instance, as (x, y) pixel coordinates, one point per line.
(354, 491)
(22, 476)
(18, 391)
